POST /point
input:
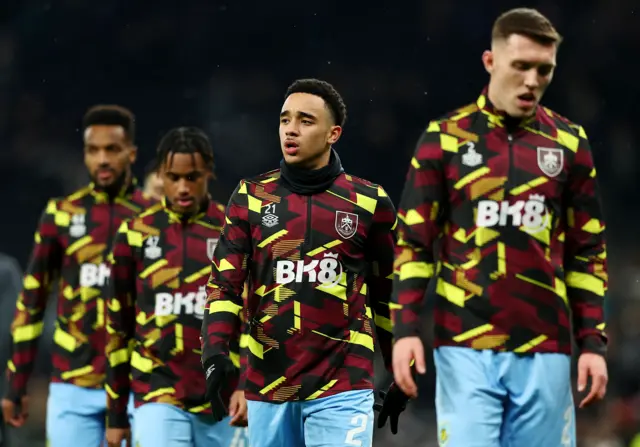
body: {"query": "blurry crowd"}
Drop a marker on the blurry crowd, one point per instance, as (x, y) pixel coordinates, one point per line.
(224, 66)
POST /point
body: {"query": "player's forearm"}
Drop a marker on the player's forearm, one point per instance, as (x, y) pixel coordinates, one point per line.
(117, 408)
(414, 269)
(26, 331)
(117, 384)
(586, 279)
(244, 346)
(221, 323)
(379, 295)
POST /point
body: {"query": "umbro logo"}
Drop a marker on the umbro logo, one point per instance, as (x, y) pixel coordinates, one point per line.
(269, 219)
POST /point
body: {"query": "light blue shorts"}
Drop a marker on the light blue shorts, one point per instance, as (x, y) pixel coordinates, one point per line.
(341, 420)
(502, 399)
(163, 425)
(76, 416)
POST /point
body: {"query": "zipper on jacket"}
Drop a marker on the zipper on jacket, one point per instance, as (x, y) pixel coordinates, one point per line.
(307, 235)
(110, 235)
(183, 228)
(512, 165)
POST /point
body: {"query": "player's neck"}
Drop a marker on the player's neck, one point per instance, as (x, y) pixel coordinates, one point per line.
(307, 180)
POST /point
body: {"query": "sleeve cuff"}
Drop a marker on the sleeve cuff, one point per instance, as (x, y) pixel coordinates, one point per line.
(13, 394)
(118, 420)
(405, 331)
(595, 344)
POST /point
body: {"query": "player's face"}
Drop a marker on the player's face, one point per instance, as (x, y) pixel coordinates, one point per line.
(153, 186)
(185, 178)
(307, 131)
(520, 69)
(108, 154)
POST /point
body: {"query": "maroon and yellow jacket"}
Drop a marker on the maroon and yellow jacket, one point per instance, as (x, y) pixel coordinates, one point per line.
(71, 244)
(321, 274)
(160, 266)
(517, 216)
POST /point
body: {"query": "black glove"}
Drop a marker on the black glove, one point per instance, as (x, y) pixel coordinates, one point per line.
(217, 370)
(394, 402)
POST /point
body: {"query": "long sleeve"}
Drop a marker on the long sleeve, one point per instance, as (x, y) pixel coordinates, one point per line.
(419, 225)
(120, 324)
(222, 316)
(44, 267)
(380, 249)
(243, 341)
(585, 252)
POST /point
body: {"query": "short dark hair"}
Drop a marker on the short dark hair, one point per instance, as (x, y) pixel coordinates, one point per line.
(527, 22)
(185, 140)
(111, 115)
(327, 92)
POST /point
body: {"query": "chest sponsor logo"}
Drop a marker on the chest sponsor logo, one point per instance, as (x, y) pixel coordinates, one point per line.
(94, 275)
(178, 303)
(326, 271)
(530, 214)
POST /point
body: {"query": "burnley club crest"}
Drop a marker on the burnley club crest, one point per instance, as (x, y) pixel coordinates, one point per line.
(550, 160)
(346, 224)
(211, 247)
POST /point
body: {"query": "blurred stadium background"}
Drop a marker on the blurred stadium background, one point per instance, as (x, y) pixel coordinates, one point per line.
(224, 66)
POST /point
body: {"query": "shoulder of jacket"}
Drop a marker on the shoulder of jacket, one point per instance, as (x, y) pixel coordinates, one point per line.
(365, 187)
(73, 203)
(562, 123)
(266, 177)
(216, 210)
(138, 196)
(76, 196)
(149, 211)
(455, 115)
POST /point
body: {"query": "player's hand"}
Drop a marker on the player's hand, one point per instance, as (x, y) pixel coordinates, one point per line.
(116, 436)
(394, 402)
(238, 409)
(405, 351)
(592, 366)
(217, 370)
(15, 413)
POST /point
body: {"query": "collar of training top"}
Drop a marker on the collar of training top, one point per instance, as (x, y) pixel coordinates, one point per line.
(175, 217)
(498, 117)
(103, 196)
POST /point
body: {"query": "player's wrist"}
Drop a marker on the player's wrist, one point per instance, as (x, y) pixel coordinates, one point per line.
(594, 344)
(405, 332)
(116, 419)
(14, 394)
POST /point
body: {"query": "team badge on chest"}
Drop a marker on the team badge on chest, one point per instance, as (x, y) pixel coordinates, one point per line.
(78, 227)
(550, 160)
(211, 247)
(152, 250)
(346, 224)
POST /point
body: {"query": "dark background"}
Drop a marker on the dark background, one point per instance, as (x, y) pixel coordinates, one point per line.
(224, 66)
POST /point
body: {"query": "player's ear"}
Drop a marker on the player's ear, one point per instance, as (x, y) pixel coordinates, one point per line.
(334, 134)
(133, 153)
(487, 60)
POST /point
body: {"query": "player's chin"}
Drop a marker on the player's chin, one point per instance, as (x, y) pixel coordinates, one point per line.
(293, 159)
(105, 184)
